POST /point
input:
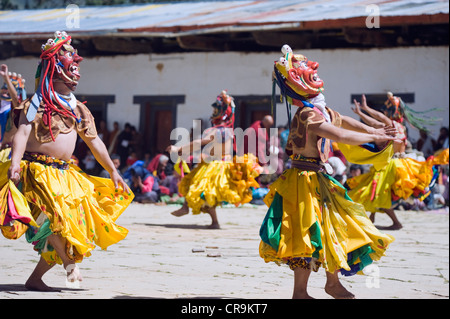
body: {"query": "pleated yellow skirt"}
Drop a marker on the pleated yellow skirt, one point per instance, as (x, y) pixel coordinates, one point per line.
(310, 216)
(400, 179)
(79, 207)
(211, 184)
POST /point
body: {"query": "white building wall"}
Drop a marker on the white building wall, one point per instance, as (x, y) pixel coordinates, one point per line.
(201, 76)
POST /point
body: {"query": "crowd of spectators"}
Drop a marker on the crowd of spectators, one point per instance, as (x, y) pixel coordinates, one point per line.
(153, 179)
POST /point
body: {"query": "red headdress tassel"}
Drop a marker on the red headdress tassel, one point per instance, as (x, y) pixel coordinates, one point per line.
(49, 106)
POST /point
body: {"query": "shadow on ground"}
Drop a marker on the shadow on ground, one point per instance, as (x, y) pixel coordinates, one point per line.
(21, 288)
(181, 226)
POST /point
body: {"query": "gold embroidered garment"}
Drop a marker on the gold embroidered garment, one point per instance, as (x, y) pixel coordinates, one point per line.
(298, 134)
(59, 123)
(57, 197)
(311, 221)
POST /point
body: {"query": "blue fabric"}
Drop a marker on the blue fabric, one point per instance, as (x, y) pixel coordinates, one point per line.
(3, 121)
(260, 192)
(127, 174)
(371, 147)
(353, 270)
(283, 138)
(363, 254)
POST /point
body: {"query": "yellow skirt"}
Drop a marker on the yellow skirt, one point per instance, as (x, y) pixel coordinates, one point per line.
(79, 207)
(400, 179)
(211, 184)
(310, 216)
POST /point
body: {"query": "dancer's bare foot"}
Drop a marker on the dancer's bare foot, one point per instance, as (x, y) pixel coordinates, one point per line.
(301, 296)
(337, 291)
(184, 210)
(180, 212)
(392, 227)
(36, 284)
(214, 221)
(214, 226)
(396, 225)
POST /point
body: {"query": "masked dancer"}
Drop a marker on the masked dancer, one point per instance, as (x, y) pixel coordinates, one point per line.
(63, 212)
(311, 221)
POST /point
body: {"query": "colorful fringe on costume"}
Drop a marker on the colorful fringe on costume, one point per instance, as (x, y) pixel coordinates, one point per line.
(211, 184)
(312, 222)
(55, 197)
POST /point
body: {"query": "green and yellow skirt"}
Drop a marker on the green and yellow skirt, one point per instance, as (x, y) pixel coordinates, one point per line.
(312, 221)
(55, 197)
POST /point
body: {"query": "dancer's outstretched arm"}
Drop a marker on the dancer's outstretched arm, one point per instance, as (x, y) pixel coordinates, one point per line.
(345, 136)
(351, 124)
(4, 73)
(370, 121)
(189, 148)
(374, 113)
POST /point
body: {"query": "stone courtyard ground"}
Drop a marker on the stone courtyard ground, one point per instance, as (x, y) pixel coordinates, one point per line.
(167, 257)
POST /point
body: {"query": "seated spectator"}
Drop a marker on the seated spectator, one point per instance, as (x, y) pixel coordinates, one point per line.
(171, 182)
(157, 166)
(131, 159)
(425, 144)
(169, 189)
(355, 170)
(258, 195)
(90, 163)
(127, 172)
(116, 161)
(442, 140)
(144, 185)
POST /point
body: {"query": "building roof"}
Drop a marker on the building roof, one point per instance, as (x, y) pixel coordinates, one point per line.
(193, 19)
(210, 17)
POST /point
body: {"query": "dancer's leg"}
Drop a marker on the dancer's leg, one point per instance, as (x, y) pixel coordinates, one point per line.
(214, 221)
(301, 277)
(334, 288)
(35, 282)
(182, 211)
(59, 244)
(396, 225)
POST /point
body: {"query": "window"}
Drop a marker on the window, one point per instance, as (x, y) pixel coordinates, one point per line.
(158, 117)
(251, 108)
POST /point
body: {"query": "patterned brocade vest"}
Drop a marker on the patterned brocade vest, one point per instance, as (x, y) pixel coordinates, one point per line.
(298, 134)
